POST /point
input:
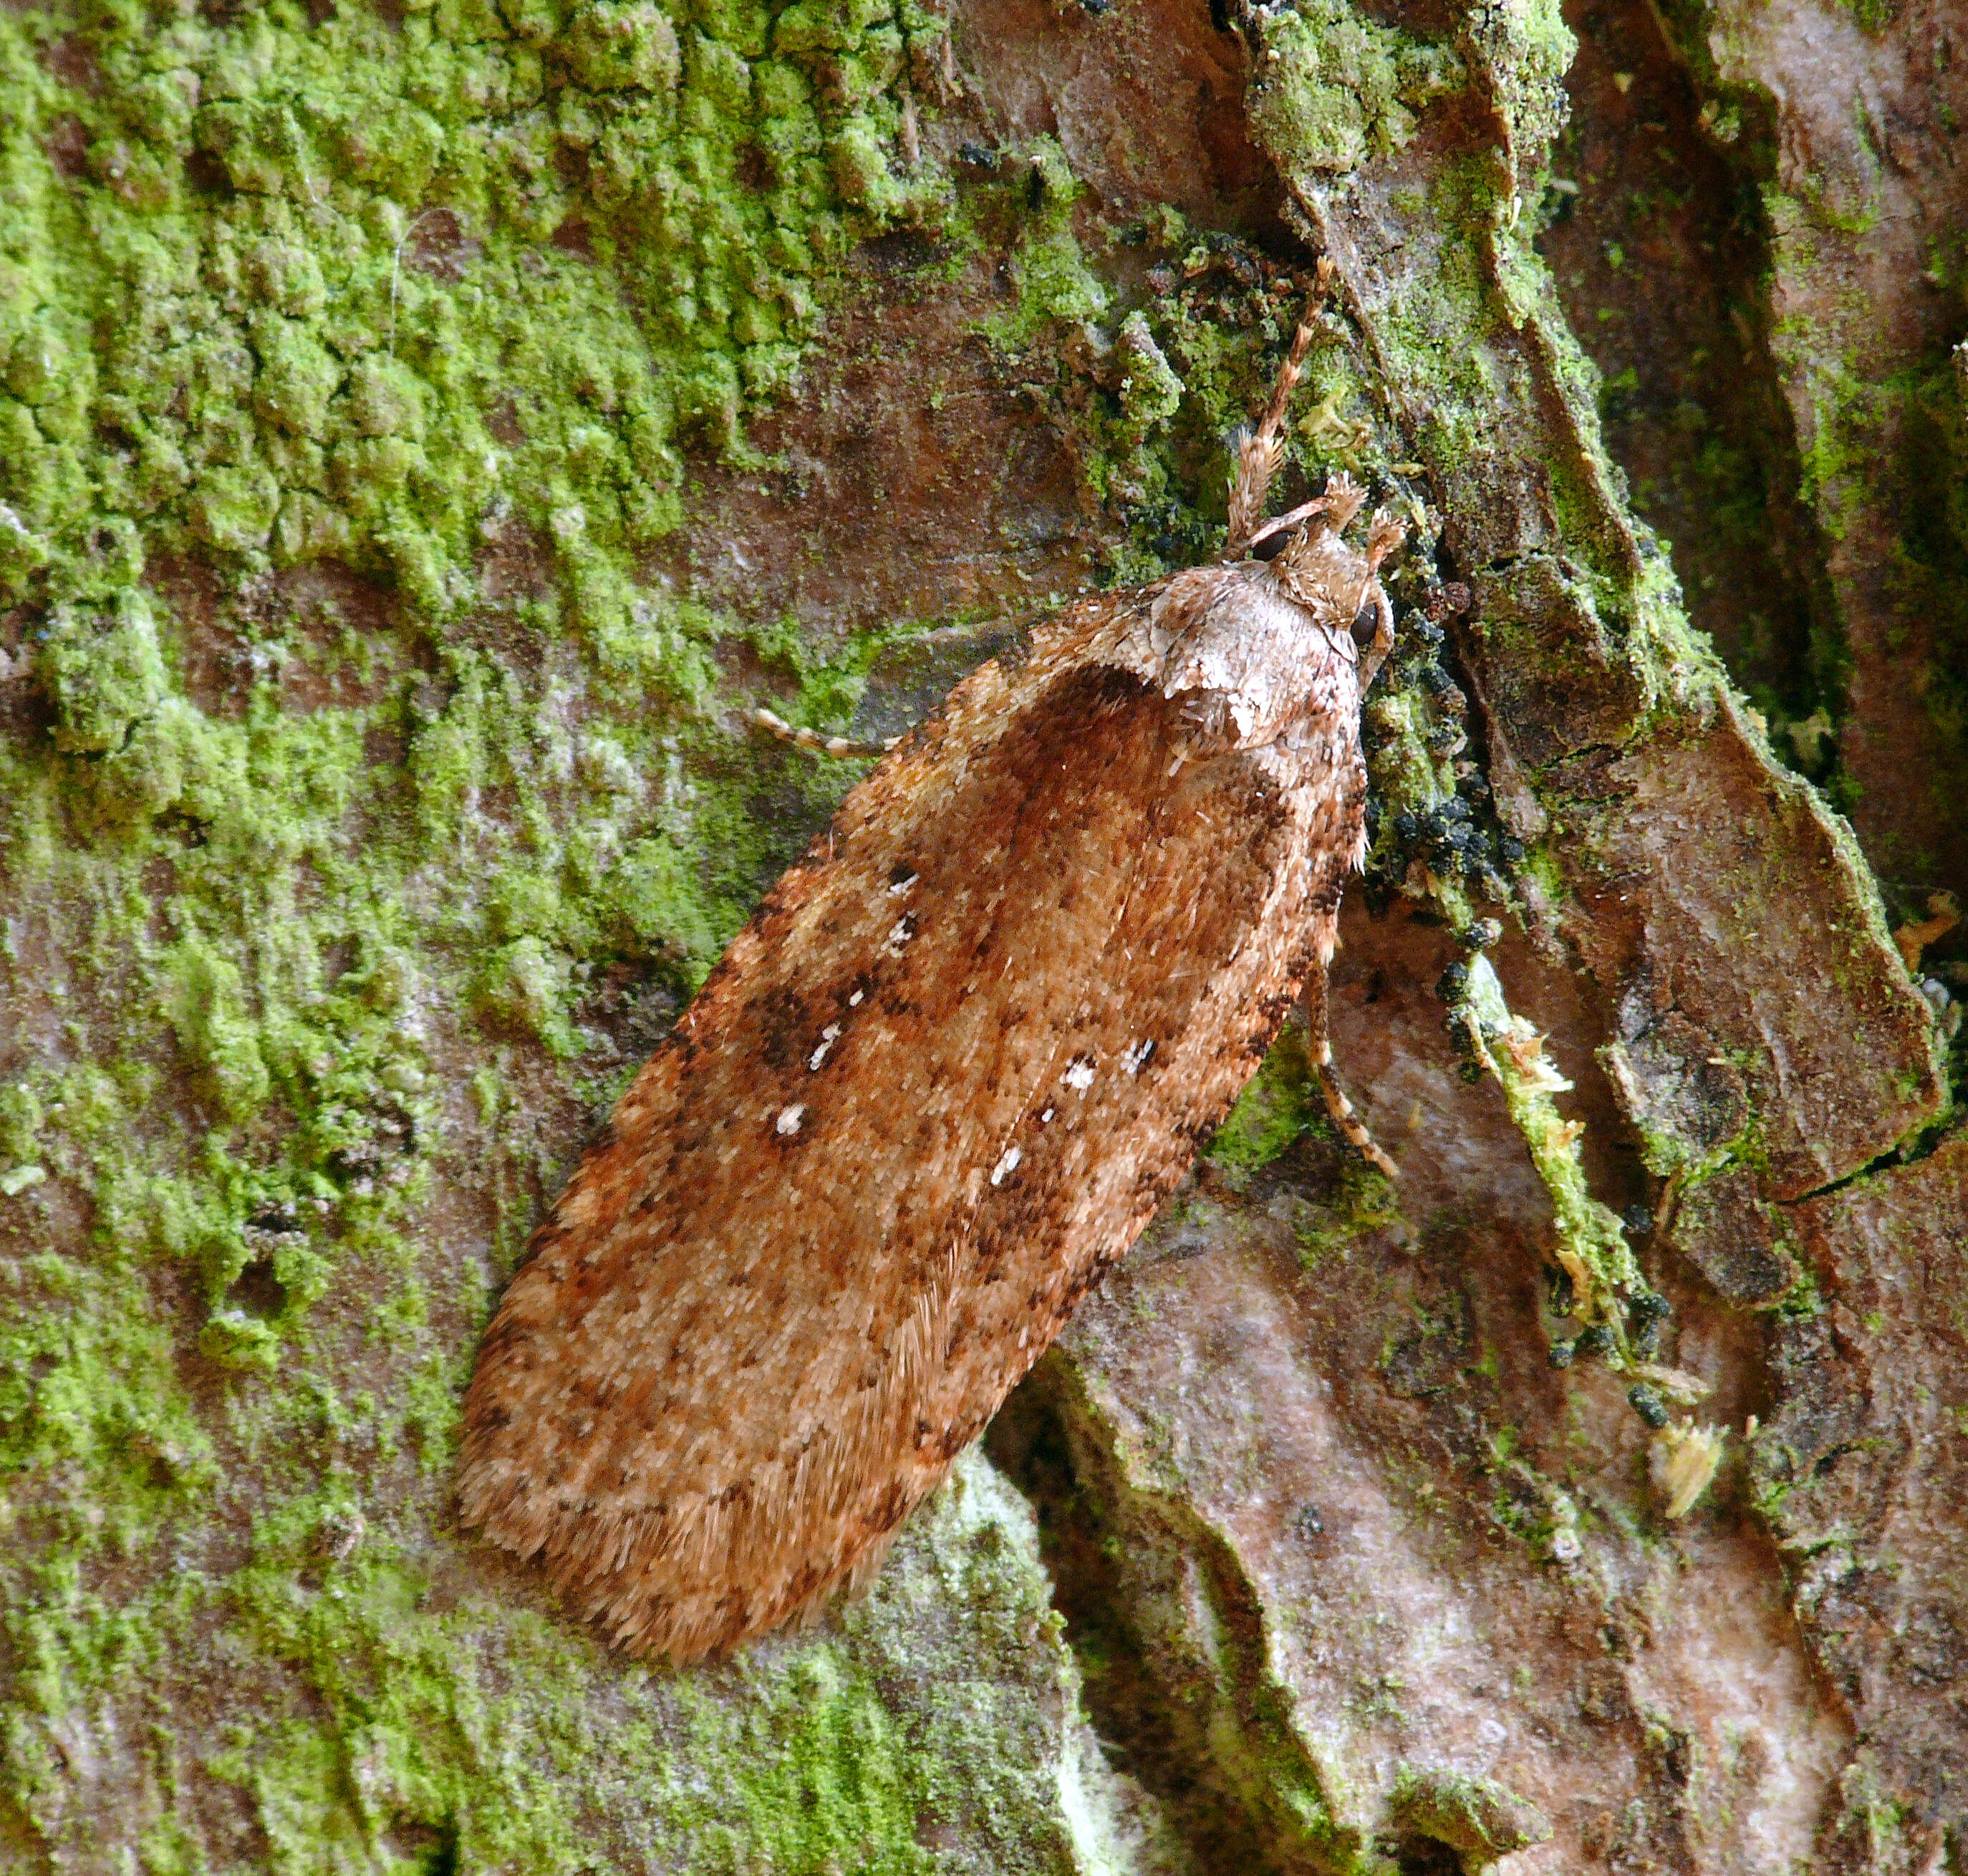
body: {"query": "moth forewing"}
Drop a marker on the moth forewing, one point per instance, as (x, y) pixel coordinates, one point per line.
(934, 1090)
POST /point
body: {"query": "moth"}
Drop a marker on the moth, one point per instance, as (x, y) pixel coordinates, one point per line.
(964, 1050)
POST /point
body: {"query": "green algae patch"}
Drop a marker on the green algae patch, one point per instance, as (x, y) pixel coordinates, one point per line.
(1592, 1248)
(1525, 49)
(1478, 1819)
(1361, 1200)
(1048, 267)
(1274, 1112)
(1280, 1105)
(1338, 89)
(102, 671)
(383, 291)
(829, 1770)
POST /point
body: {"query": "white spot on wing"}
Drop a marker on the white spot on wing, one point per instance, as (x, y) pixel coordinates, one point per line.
(1079, 1073)
(853, 1001)
(902, 886)
(1046, 1116)
(828, 1037)
(1006, 1166)
(1132, 1059)
(789, 1119)
(899, 934)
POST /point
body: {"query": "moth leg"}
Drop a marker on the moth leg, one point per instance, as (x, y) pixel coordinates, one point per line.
(819, 744)
(1318, 1046)
(1257, 460)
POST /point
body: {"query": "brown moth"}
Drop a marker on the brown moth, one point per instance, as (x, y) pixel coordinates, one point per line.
(936, 1087)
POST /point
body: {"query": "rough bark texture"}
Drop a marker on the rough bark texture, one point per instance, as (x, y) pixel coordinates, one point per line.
(426, 432)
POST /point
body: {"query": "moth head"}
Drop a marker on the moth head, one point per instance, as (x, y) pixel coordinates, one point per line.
(1320, 569)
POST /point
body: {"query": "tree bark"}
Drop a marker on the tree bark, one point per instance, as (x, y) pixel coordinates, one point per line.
(427, 434)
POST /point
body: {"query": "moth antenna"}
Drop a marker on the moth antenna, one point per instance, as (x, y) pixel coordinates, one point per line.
(812, 740)
(1318, 1046)
(1260, 454)
(1280, 524)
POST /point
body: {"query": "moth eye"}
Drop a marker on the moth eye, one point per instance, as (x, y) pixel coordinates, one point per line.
(1365, 622)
